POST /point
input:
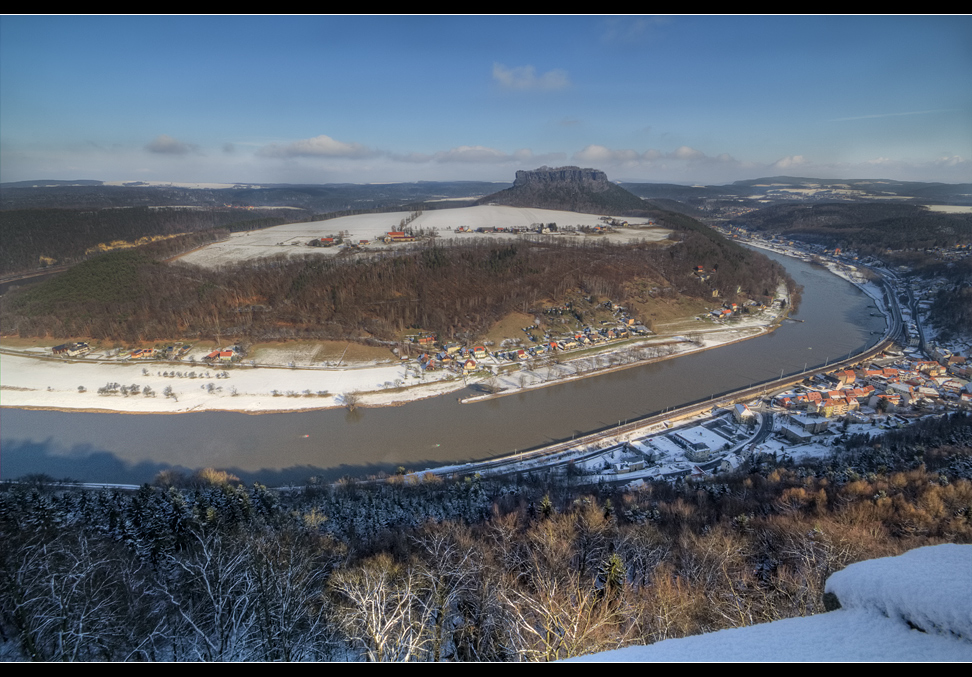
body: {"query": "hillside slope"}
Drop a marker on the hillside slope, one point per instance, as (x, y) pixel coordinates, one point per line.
(568, 188)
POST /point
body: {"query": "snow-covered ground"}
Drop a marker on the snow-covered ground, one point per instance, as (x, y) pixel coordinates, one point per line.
(915, 607)
(53, 383)
(291, 239)
(34, 379)
(593, 457)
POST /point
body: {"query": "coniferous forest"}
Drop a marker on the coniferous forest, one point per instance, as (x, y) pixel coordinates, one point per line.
(401, 568)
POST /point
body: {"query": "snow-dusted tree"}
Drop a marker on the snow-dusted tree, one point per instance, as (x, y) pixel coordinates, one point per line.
(378, 609)
(289, 605)
(558, 617)
(210, 591)
(64, 601)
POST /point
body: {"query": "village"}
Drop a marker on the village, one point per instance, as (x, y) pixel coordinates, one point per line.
(917, 378)
(581, 336)
(800, 423)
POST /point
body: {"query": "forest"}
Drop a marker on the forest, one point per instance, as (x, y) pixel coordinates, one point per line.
(401, 568)
(37, 238)
(454, 290)
(867, 228)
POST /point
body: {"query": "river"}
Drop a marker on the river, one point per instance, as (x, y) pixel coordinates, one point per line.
(281, 448)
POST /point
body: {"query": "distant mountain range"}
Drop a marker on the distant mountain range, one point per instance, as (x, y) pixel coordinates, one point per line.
(570, 188)
(776, 189)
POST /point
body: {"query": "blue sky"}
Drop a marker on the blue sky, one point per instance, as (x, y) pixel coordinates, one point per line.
(366, 99)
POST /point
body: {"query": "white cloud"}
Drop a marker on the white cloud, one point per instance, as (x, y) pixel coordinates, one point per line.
(687, 153)
(482, 154)
(165, 144)
(472, 154)
(526, 78)
(600, 154)
(789, 161)
(417, 158)
(603, 155)
(950, 161)
(319, 146)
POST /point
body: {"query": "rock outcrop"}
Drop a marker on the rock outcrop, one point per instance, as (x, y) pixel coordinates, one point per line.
(594, 178)
(568, 189)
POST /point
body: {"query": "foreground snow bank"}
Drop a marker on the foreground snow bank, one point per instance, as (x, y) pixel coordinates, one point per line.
(916, 607)
(930, 588)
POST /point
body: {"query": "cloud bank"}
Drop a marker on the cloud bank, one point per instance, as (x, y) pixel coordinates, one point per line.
(166, 145)
(319, 146)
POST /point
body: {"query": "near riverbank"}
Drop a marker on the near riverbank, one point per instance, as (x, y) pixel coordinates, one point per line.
(31, 378)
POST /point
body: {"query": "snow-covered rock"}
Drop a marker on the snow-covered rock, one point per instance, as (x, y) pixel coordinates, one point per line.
(915, 607)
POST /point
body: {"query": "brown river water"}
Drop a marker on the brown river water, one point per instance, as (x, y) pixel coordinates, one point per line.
(277, 449)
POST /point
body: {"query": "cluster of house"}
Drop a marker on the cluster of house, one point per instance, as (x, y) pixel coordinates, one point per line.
(726, 311)
(515, 230)
(225, 355)
(142, 354)
(454, 356)
(71, 349)
(904, 384)
(395, 236)
(547, 228)
(174, 351)
(389, 237)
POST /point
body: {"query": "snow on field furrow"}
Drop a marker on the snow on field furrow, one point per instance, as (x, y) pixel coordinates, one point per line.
(280, 239)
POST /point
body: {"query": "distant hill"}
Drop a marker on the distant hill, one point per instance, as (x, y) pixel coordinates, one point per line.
(317, 199)
(881, 225)
(569, 189)
(782, 189)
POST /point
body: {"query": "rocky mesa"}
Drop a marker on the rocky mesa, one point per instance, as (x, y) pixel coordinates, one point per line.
(571, 189)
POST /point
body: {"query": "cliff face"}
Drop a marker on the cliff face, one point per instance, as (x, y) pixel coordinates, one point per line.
(590, 178)
(569, 189)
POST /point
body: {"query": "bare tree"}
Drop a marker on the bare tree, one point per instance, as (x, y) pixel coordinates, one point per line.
(351, 400)
(377, 608)
(210, 591)
(290, 610)
(65, 601)
(560, 617)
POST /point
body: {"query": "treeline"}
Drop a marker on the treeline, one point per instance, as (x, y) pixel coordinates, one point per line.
(35, 238)
(870, 228)
(321, 198)
(474, 569)
(456, 291)
(951, 311)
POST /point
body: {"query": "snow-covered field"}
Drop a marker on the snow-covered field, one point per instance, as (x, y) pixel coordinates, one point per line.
(915, 607)
(291, 239)
(32, 378)
(53, 383)
(950, 209)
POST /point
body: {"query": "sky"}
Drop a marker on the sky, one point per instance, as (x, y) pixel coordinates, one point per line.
(362, 99)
